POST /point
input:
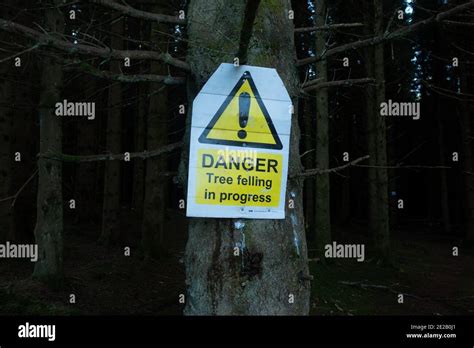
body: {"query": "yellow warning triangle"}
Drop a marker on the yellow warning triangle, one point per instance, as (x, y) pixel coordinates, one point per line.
(242, 120)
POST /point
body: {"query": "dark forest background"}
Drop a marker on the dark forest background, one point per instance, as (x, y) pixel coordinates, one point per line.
(119, 246)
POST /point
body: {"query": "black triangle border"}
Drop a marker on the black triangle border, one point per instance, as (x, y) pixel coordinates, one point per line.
(203, 138)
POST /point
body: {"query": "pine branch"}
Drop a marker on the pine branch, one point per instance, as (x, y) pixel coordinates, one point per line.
(355, 163)
(328, 27)
(404, 31)
(464, 24)
(338, 83)
(448, 93)
(415, 166)
(133, 12)
(167, 80)
(318, 171)
(376, 286)
(112, 157)
(15, 196)
(70, 48)
(311, 82)
(462, 49)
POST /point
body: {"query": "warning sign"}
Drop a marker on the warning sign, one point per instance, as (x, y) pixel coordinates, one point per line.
(238, 160)
(238, 178)
(232, 124)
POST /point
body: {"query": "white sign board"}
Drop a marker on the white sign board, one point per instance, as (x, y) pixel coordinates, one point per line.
(240, 134)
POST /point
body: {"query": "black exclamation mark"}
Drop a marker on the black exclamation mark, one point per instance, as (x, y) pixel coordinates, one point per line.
(244, 109)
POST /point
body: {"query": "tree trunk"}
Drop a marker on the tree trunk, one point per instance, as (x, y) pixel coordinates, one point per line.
(444, 198)
(6, 153)
(274, 263)
(466, 113)
(111, 204)
(439, 110)
(392, 175)
(382, 233)
(140, 129)
(85, 182)
(139, 165)
(372, 115)
(154, 208)
(345, 205)
(309, 162)
(468, 168)
(322, 214)
(49, 224)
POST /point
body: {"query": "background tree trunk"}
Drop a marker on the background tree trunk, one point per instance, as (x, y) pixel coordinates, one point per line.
(371, 129)
(49, 224)
(140, 128)
(322, 214)
(218, 282)
(111, 204)
(443, 175)
(139, 165)
(309, 162)
(439, 110)
(154, 208)
(85, 183)
(6, 134)
(382, 231)
(466, 113)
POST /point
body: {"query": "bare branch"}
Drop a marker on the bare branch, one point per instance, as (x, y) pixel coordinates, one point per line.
(376, 286)
(111, 157)
(415, 166)
(310, 83)
(448, 93)
(247, 26)
(35, 46)
(318, 171)
(465, 24)
(68, 47)
(329, 27)
(133, 12)
(15, 196)
(462, 49)
(167, 80)
(386, 37)
(338, 83)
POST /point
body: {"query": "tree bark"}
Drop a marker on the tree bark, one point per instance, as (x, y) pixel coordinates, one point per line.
(382, 236)
(444, 197)
(6, 156)
(154, 208)
(139, 166)
(322, 214)
(6, 153)
(140, 131)
(371, 131)
(274, 263)
(85, 183)
(309, 163)
(111, 204)
(468, 167)
(49, 224)
(440, 109)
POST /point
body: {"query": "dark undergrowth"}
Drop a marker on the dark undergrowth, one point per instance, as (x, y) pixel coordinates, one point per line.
(105, 281)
